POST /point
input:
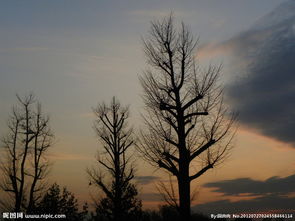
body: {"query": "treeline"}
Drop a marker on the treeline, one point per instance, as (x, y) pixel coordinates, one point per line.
(186, 123)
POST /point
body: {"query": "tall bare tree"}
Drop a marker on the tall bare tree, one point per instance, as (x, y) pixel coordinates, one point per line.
(188, 125)
(25, 166)
(120, 202)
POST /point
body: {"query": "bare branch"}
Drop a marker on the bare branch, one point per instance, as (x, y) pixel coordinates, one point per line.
(116, 138)
(202, 171)
(28, 138)
(185, 115)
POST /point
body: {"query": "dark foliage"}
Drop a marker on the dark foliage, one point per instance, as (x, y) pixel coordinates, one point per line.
(56, 201)
(168, 213)
(130, 207)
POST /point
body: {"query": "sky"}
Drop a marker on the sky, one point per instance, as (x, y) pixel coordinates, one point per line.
(76, 54)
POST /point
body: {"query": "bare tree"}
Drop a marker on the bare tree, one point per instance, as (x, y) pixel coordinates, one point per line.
(188, 125)
(25, 166)
(116, 138)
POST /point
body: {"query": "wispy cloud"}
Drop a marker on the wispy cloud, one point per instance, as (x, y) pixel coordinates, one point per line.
(144, 180)
(24, 49)
(158, 13)
(67, 156)
(152, 197)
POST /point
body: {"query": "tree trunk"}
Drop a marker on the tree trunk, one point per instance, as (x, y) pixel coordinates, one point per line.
(184, 193)
(17, 204)
(183, 176)
(31, 197)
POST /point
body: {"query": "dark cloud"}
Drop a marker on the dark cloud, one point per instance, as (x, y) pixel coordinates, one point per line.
(145, 179)
(273, 185)
(264, 69)
(269, 195)
(262, 204)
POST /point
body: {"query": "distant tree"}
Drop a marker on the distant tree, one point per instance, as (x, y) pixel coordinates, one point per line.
(197, 216)
(120, 201)
(24, 167)
(56, 201)
(150, 215)
(165, 213)
(168, 213)
(187, 122)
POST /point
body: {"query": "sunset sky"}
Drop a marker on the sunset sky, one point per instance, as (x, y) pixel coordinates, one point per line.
(75, 54)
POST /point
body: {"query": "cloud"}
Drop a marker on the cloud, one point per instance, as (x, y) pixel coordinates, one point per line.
(271, 203)
(275, 194)
(151, 197)
(28, 49)
(273, 185)
(67, 156)
(146, 179)
(209, 50)
(264, 71)
(241, 45)
(158, 13)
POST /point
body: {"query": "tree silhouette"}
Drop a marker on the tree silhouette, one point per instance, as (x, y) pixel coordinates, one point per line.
(120, 202)
(187, 122)
(169, 213)
(56, 201)
(25, 166)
